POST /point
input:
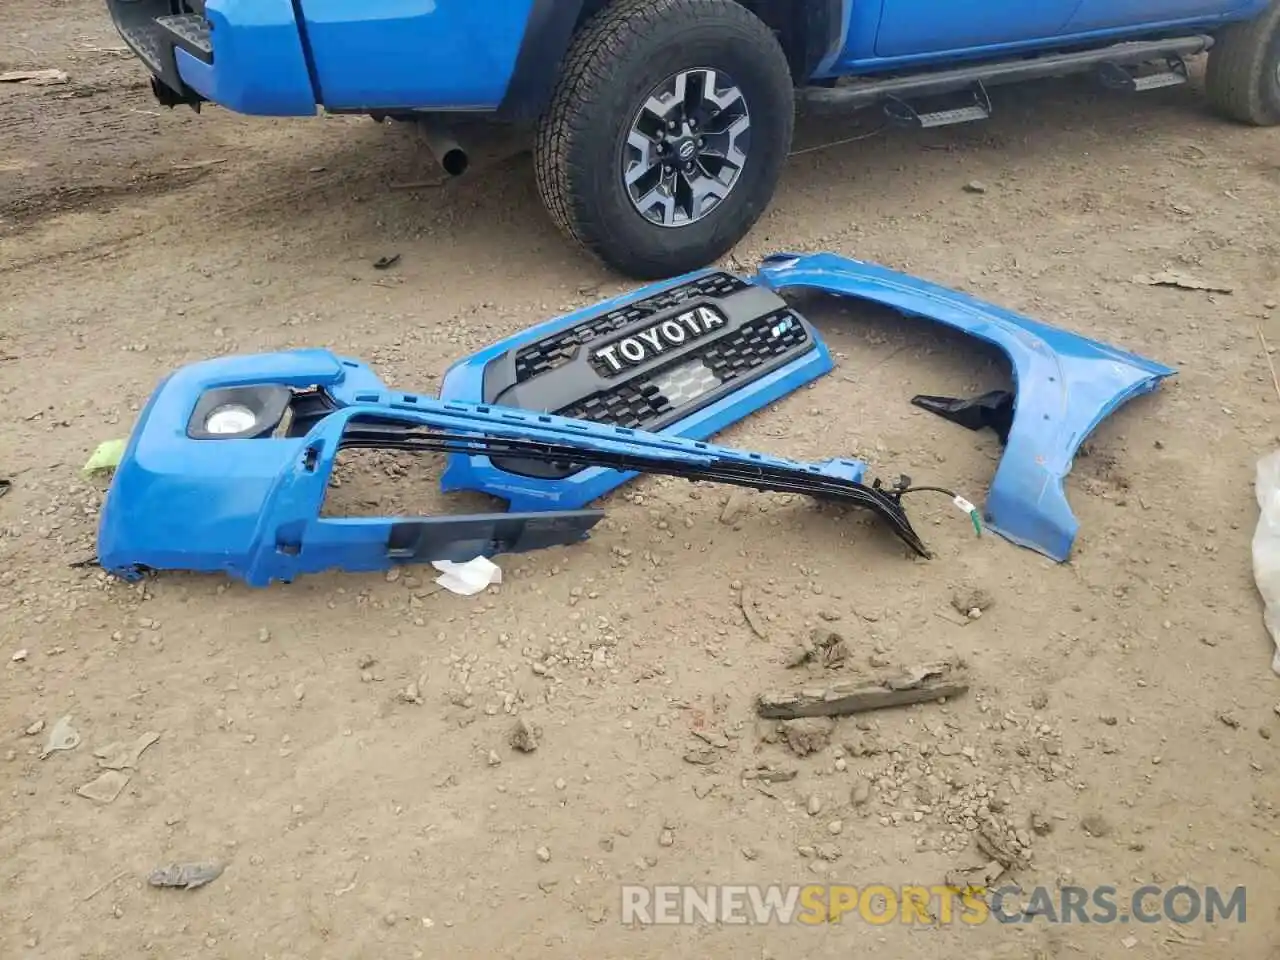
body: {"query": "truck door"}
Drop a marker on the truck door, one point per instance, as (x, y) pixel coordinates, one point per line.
(913, 27)
(1110, 14)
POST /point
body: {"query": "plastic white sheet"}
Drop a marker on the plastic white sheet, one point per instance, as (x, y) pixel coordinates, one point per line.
(1266, 547)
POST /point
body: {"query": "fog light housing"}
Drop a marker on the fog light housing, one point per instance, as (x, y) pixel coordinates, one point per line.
(239, 413)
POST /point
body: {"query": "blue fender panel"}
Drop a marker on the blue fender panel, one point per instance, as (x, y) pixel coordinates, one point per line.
(414, 54)
(259, 64)
(1066, 385)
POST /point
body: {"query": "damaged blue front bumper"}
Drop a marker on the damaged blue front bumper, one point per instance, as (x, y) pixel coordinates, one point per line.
(228, 466)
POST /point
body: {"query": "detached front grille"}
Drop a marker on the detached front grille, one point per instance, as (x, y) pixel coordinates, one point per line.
(643, 401)
(538, 358)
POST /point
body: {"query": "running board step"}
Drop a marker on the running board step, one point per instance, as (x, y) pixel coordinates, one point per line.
(190, 32)
(1119, 77)
(945, 118)
(863, 92)
(978, 107)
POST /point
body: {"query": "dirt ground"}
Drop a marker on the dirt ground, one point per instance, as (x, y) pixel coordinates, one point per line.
(1122, 723)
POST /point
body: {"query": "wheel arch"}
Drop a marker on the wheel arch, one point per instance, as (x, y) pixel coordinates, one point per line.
(811, 32)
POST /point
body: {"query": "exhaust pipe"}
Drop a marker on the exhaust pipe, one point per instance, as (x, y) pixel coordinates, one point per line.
(446, 150)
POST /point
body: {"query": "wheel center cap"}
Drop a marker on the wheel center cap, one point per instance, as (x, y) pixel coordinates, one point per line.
(686, 150)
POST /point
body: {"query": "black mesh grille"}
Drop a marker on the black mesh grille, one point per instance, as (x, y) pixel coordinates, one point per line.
(639, 402)
(538, 358)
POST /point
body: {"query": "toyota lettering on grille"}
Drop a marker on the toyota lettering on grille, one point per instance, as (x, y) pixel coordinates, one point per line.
(657, 339)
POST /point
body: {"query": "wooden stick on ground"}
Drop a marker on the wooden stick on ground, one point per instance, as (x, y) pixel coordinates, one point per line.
(1266, 355)
(931, 681)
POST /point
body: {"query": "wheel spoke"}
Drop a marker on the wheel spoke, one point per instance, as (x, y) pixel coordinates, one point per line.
(704, 187)
(647, 159)
(662, 198)
(734, 154)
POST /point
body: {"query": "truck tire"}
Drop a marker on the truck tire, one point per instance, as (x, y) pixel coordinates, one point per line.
(666, 133)
(1243, 76)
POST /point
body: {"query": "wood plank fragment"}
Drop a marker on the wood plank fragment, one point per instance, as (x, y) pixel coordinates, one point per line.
(931, 681)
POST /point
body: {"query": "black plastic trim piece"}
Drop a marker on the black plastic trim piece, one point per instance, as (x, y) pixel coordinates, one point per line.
(546, 40)
(818, 33)
(487, 534)
(886, 504)
(993, 409)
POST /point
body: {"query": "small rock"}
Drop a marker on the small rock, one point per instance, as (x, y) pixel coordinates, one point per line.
(524, 736)
(735, 507)
(1229, 720)
(1129, 942)
(35, 728)
(185, 876)
(968, 599)
(861, 792)
(494, 759)
(975, 186)
(1040, 824)
(543, 855)
(666, 838)
(808, 734)
(263, 635)
(1264, 733)
(814, 805)
(560, 783)
(1095, 825)
(841, 765)
(835, 827)
(702, 756)
(410, 694)
(750, 853)
(19, 656)
(797, 657)
(299, 692)
(390, 919)
(365, 662)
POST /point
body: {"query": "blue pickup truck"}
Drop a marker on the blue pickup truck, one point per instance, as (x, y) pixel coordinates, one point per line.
(662, 126)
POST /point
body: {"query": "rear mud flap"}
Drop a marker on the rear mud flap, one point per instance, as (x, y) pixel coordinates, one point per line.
(685, 358)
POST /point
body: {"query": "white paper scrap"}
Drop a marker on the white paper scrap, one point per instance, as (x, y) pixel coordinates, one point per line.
(467, 579)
